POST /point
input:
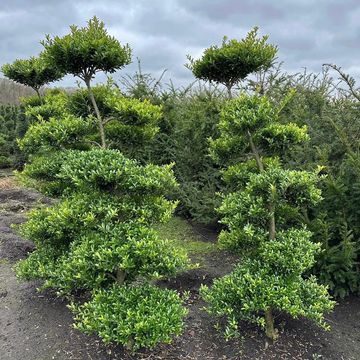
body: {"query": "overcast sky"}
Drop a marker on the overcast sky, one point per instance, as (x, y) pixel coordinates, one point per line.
(161, 33)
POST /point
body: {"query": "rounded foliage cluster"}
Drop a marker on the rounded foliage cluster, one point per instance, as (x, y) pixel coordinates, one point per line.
(234, 60)
(33, 72)
(86, 51)
(253, 118)
(134, 316)
(251, 288)
(56, 134)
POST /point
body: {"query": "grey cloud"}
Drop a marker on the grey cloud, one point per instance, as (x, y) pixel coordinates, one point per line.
(23, 24)
(162, 33)
(236, 12)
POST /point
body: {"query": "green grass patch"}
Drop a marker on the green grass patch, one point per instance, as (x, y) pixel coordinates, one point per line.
(181, 233)
(4, 261)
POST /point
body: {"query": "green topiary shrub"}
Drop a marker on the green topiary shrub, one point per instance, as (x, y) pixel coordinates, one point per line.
(234, 60)
(263, 216)
(83, 53)
(56, 134)
(53, 104)
(100, 237)
(34, 72)
(130, 124)
(134, 316)
(334, 143)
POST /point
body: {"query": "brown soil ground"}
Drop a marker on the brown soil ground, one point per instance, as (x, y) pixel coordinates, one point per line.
(38, 326)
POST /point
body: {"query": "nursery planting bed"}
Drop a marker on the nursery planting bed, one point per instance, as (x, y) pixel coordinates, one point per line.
(38, 326)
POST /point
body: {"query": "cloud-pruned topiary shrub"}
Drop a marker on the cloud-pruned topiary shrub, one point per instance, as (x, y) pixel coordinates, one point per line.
(263, 219)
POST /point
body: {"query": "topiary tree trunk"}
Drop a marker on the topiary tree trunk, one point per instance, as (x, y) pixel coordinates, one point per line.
(97, 112)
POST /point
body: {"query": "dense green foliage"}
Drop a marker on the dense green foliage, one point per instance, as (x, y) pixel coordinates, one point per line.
(91, 212)
(64, 120)
(33, 72)
(331, 116)
(145, 317)
(191, 117)
(13, 124)
(234, 60)
(263, 219)
(83, 53)
(87, 50)
(55, 134)
(101, 233)
(52, 105)
(101, 236)
(195, 119)
(129, 123)
(188, 121)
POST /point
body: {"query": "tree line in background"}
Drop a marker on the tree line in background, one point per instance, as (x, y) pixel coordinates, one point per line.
(270, 152)
(12, 92)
